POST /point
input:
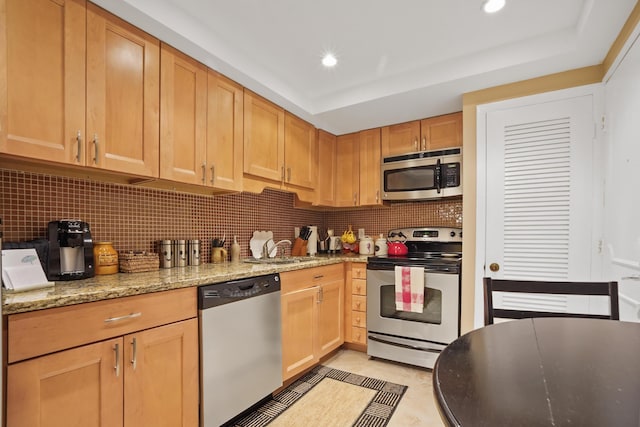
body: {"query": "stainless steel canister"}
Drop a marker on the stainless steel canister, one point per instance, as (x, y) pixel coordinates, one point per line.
(166, 253)
(182, 253)
(193, 252)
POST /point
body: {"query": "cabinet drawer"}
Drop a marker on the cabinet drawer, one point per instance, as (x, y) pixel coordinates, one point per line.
(40, 332)
(358, 270)
(358, 287)
(359, 319)
(359, 303)
(359, 335)
(292, 281)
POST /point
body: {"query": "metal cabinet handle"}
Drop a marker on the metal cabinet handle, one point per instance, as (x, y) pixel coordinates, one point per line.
(424, 143)
(127, 316)
(204, 172)
(377, 196)
(318, 301)
(358, 304)
(134, 355)
(494, 267)
(355, 199)
(116, 349)
(289, 174)
(415, 144)
(79, 153)
(95, 145)
(321, 294)
(319, 276)
(212, 174)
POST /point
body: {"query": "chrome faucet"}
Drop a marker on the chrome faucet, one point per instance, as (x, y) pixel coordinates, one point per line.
(266, 250)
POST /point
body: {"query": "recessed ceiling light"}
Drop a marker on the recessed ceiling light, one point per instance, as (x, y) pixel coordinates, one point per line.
(492, 6)
(329, 60)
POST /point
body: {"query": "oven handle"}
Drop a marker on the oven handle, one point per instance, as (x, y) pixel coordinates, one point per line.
(438, 177)
(412, 347)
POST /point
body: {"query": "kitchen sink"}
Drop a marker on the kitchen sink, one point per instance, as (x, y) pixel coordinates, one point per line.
(278, 260)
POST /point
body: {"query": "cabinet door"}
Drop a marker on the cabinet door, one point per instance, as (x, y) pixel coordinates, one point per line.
(263, 138)
(347, 170)
(300, 152)
(161, 376)
(370, 168)
(77, 387)
(224, 132)
(299, 331)
(326, 190)
(123, 96)
(401, 138)
(330, 317)
(42, 79)
(441, 132)
(183, 118)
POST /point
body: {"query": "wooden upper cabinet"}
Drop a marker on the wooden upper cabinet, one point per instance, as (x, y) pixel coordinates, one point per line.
(224, 132)
(300, 152)
(123, 95)
(326, 189)
(433, 133)
(370, 168)
(42, 79)
(442, 132)
(348, 170)
(401, 138)
(183, 119)
(263, 138)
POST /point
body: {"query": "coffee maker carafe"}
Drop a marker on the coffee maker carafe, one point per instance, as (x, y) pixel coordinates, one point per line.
(70, 250)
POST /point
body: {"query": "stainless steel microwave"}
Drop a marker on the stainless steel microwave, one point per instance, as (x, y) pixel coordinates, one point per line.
(422, 175)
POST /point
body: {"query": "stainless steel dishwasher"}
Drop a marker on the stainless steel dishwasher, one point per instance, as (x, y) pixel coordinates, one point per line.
(240, 346)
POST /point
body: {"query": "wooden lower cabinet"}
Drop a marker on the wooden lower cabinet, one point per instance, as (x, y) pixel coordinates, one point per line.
(312, 316)
(145, 377)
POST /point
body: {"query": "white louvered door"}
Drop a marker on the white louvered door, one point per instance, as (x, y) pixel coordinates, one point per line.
(540, 198)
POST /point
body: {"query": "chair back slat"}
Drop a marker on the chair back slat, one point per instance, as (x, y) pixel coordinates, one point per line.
(541, 287)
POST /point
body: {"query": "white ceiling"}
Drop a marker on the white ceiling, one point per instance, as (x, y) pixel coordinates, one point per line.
(398, 60)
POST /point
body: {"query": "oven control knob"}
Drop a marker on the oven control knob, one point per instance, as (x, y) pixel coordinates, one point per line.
(452, 234)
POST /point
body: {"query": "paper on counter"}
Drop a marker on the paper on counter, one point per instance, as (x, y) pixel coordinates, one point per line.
(22, 271)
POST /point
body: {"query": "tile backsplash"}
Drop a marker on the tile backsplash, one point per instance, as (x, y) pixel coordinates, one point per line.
(135, 218)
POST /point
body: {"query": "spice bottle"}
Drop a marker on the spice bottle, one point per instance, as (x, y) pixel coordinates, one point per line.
(235, 250)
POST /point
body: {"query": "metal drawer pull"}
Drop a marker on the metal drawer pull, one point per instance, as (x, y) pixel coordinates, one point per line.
(212, 173)
(134, 358)
(116, 349)
(126, 316)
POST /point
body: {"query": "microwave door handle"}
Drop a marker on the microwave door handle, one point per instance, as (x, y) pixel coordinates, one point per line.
(438, 175)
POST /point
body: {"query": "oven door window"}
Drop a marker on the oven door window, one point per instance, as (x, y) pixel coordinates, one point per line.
(431, 312)
(410, 179)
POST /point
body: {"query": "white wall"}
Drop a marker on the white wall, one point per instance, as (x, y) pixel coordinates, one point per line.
(622, 181)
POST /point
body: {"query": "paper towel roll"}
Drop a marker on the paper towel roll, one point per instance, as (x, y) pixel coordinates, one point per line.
(312, 243)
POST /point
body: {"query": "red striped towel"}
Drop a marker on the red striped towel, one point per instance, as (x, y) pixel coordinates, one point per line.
(409, 289)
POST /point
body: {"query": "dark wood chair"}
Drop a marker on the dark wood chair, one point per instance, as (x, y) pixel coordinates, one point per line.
(540, 287)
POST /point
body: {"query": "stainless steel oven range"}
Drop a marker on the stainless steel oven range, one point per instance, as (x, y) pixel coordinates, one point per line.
(412, 337)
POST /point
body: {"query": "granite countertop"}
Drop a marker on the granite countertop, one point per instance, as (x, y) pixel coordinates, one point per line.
(126, 284)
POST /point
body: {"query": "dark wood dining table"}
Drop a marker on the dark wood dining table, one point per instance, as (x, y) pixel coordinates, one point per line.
(542, 372)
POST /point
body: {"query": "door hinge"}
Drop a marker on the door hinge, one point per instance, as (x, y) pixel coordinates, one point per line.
(603, 123)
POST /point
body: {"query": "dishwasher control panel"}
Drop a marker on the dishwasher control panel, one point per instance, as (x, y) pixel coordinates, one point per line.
(227, 292)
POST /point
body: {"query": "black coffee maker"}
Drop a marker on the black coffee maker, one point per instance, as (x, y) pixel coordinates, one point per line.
(70, 250)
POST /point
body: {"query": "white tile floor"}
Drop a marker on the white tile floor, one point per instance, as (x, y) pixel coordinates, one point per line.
(417, 407)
